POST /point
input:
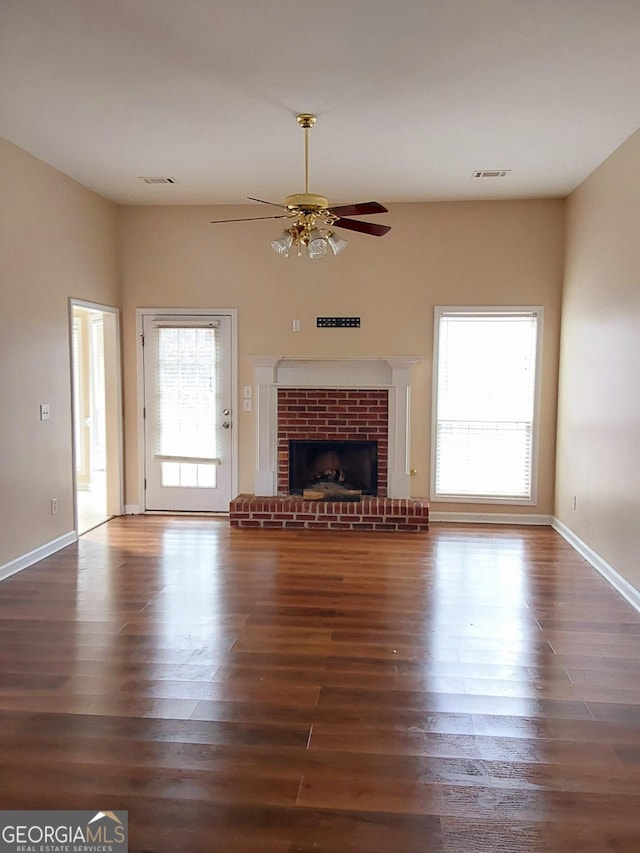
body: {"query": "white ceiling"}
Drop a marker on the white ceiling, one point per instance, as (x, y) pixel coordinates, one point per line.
(412, 96)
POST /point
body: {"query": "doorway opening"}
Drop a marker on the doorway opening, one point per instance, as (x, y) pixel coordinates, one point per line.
(96, 414)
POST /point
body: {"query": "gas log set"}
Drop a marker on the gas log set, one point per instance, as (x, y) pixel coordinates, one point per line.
(333, 470)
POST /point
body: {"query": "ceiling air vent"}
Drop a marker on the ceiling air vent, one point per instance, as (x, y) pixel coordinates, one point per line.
(491, 173)
(159, 180)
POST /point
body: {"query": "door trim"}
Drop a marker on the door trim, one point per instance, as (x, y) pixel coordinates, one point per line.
(116, 380)
(232, 313)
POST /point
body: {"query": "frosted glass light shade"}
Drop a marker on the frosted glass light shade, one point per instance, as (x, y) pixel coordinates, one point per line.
(282, 244)
(318, 246)
(337, 243)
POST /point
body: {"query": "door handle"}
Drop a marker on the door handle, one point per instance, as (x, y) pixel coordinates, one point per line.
(226, 425)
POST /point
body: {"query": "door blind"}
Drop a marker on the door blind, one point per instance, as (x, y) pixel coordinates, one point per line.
(186, 403)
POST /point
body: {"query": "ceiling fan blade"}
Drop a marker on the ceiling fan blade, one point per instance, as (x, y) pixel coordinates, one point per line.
(248, 219)
(262, 201)
(361, 209)
(363, 227)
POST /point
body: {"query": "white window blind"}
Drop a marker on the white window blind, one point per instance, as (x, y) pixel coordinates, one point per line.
(186, 393)
(485, 403)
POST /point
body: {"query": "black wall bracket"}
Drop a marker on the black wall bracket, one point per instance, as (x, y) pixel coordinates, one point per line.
(338, 322)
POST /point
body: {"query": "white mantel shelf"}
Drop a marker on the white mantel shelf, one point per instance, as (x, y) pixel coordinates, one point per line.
(294, 372)
(273, 372)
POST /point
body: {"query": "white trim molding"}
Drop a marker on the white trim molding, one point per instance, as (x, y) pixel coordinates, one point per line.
(626, 590)
(37, 554)
(490, 518)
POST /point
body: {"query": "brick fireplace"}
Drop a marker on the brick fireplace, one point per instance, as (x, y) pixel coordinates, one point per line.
(333, 414)
(332, 400)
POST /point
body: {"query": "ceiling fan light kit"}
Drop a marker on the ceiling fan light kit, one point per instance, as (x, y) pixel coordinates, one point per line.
(317, 242)
(310, 212)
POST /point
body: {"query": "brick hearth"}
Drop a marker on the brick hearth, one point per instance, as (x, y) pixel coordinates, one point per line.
(290, 511)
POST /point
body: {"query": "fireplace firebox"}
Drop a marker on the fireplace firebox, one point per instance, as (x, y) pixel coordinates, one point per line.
(339, 468)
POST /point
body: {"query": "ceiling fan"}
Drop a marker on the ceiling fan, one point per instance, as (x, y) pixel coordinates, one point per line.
(313, 218)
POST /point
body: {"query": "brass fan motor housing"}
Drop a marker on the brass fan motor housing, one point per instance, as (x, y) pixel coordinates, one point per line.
(306, 201)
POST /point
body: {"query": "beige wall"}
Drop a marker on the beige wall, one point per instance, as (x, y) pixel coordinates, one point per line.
(475, 253)
(57, 240)
(599, 411)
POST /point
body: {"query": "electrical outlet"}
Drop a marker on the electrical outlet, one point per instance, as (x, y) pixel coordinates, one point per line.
(45, 413)
(54, 506)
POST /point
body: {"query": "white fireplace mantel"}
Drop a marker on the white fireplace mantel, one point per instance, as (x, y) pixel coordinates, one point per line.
(273, 372)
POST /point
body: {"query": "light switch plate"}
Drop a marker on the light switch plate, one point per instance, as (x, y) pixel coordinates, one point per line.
(44, 412)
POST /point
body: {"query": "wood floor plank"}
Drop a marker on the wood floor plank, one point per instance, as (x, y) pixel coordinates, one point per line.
(473, 835)
(470, 690)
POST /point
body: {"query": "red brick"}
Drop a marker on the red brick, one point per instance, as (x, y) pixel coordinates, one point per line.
(375, 513)
(352, 414)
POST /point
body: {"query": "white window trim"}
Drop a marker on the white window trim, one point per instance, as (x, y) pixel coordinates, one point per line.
(538, 310)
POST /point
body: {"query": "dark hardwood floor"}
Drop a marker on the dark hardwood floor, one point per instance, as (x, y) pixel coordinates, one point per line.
(469, 690)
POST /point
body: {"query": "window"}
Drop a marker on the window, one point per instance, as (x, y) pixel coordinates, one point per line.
(186, 405)
(485, 404)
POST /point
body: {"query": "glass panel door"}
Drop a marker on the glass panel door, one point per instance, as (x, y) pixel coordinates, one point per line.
(188, 423)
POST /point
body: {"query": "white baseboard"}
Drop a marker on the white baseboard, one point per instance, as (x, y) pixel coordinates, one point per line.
(626, 590)
(490, 518)
(132, 509)
(37, 554)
